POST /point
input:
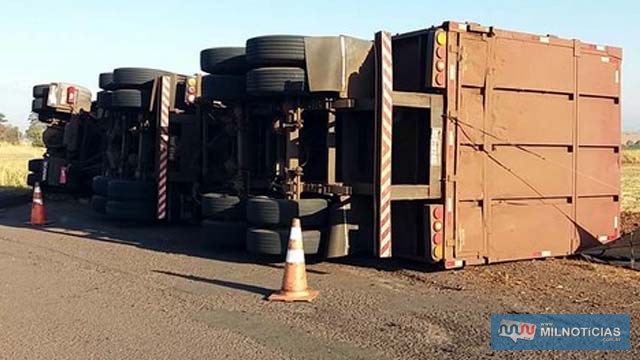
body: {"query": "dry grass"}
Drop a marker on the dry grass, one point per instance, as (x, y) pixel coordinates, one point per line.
(631, 156)
(13, 164)
(631, 187)
(631, 180)
(14, 158)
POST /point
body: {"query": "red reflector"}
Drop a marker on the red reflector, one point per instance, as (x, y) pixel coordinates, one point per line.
(450, 264)
(63, 175)
(438, 213)
(71, 95)
(437, 238)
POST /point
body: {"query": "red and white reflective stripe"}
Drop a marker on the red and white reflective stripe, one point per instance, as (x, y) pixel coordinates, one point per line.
(164, 146)
(386, 134)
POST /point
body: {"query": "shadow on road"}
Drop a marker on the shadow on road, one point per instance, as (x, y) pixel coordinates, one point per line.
(230, 284)
(71, 217)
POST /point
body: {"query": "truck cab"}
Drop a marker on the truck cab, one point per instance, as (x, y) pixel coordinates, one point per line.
(72, 138)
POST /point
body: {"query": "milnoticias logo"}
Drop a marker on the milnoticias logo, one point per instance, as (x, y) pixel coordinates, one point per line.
(516, 330)
(547, 329)
(560, 331)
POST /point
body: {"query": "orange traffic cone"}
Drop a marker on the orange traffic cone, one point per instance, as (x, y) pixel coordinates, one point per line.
(294, 283)
(38, 216)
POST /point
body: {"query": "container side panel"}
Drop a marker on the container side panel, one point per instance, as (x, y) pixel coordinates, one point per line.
(598, 172)
(531, 118)
(533, 66)
(530, 172)
(537, 163)
(473, 67)
(470, 173)
(470, 230)
(529, 228)
(598, 75)
(599, 122)
(597, 220)
(471, 116)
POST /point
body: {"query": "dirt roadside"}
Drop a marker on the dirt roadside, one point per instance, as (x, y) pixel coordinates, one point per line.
(87, 288)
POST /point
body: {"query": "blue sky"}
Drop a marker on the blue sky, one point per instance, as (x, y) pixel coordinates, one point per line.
(73, 41)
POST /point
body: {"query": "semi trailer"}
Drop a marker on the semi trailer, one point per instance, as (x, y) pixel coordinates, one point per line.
(456, 144)
(147, 173)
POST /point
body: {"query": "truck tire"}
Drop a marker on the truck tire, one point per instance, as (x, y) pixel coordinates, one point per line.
(53, 136)
(263, 211)
(222, 206)
(275, 242)
(103, 99)
(38, 105)
(131, 190)
(219, 234)
(276, 81)
(35, 165)
(100, 185)
(131, 210)
(224, 60)
(49, 116)
(130, 99)
(105, 81)
(276, 50)
(223, 87)
(99, 204)
(41, 91)
(45, 118)
(33, 178)
(124, 78)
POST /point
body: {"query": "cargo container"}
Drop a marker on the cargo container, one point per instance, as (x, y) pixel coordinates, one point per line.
(482, 145)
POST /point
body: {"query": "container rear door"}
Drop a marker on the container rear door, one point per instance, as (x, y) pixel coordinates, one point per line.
(538, 134)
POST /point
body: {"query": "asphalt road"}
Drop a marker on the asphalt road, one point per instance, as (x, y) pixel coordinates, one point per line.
(84, 287)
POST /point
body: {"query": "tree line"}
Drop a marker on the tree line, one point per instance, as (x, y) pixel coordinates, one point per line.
(11, 134)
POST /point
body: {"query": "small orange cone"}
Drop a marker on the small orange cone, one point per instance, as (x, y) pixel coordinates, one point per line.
(294, 283)
(38, 216)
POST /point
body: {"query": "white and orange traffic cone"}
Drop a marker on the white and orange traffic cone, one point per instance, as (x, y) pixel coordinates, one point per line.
(38, 216)
(294, 283)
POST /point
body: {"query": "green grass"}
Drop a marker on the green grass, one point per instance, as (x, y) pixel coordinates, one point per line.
(13, 164)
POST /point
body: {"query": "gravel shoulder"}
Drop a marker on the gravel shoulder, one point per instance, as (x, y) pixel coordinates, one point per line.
(84, 287)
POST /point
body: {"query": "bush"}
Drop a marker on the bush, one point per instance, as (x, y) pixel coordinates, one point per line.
(34, 132)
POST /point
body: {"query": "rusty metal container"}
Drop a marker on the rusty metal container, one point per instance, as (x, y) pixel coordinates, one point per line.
(501, 146)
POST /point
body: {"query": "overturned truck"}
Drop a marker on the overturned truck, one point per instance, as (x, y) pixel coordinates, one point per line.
(457, 144)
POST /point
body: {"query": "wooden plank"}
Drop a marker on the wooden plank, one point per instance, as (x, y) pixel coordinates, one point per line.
(410, 192)
(412, 99)
(354, 104)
